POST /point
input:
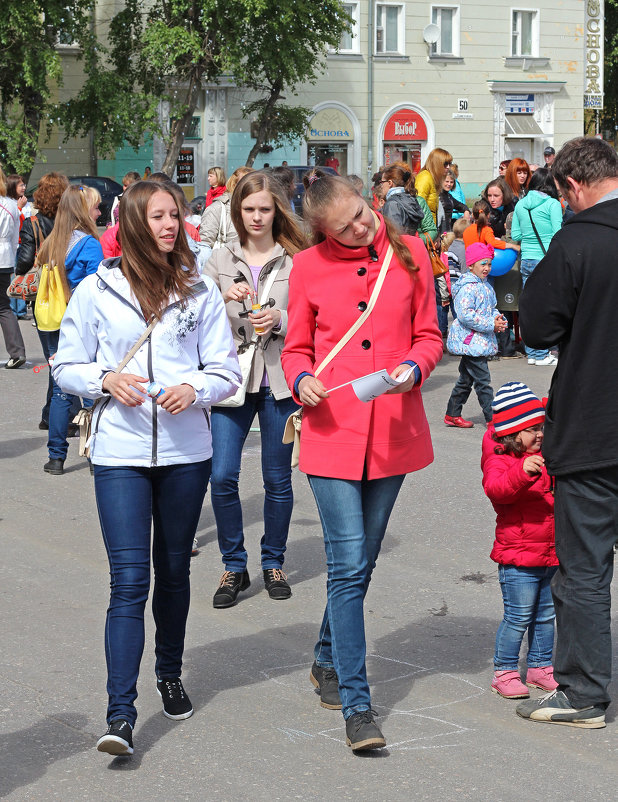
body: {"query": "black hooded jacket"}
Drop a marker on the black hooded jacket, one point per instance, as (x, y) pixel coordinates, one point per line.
(570, 300)
(27, 248)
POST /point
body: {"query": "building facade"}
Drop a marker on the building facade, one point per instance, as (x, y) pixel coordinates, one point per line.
(484, 80)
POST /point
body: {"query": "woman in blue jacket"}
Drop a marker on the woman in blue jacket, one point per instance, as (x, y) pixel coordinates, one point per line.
(74, 247)
(540, 210)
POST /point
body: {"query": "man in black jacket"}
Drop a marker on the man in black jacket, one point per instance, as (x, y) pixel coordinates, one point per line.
(570, 299)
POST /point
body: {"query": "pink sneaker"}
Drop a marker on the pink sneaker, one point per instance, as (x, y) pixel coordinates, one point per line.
(542, 678)
(509, 685)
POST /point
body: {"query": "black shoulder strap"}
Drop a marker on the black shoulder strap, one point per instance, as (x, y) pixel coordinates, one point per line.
(537, 234)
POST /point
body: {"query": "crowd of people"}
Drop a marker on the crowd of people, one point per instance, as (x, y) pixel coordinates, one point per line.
(175, 336)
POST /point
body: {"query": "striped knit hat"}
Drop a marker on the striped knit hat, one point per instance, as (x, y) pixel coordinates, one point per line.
(516, 407)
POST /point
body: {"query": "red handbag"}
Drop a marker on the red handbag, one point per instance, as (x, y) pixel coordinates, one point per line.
(27, 286)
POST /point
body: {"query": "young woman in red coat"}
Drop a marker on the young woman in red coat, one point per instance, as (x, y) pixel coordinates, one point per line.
(517, 484)
(356, 454)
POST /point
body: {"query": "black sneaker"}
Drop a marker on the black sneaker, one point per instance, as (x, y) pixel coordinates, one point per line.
(555, 708)
(54, 466)
(232, 582)
(118, 740)
(176, 703)
(15, 362)
(363, 733)
(327, 684)
(276, 585)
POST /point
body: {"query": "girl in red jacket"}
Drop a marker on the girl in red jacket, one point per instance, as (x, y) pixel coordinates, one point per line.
(356, 454)
(517, 484)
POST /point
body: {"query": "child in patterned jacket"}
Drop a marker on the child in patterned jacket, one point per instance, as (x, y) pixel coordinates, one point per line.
(472, 335)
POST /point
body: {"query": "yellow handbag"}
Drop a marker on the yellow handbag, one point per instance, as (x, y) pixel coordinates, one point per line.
(51, 303)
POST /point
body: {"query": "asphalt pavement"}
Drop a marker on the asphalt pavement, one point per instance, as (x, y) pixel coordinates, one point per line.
(258, 732)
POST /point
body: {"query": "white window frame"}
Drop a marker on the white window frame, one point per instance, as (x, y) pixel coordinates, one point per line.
(401, 29)
(536, 29)
(355, 29)
(436, 49)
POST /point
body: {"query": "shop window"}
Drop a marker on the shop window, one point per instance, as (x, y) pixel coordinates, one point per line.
(350, 40)
(525, 32)
(389, 29)
(447, 19)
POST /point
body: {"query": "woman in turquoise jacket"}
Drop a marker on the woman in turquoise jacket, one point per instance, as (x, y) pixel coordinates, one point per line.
(540, 209)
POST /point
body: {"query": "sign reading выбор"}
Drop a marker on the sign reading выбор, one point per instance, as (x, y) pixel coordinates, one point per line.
(593, 78)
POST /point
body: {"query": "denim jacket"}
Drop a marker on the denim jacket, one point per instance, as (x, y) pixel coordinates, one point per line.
(472, 333)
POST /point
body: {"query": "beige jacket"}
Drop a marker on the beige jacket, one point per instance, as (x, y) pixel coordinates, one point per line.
(229, 263)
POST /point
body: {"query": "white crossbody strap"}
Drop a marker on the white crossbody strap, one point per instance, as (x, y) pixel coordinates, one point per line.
(353, 329)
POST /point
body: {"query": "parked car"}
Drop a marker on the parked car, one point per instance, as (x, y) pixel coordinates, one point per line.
(299, 171)
(108, 188)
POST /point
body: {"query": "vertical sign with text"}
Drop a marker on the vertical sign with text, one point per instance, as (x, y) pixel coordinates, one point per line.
(593, 77)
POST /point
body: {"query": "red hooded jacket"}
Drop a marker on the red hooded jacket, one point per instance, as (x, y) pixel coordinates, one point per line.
(524, 508)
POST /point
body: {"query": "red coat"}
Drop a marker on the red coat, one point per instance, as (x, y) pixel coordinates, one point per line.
(329, 283)
(524, 508)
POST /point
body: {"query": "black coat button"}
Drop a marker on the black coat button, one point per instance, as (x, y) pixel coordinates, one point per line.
(362, 306)
(366, 345)
(361, 271)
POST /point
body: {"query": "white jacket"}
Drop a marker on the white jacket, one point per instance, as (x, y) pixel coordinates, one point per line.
(102, 323)
(9, 233)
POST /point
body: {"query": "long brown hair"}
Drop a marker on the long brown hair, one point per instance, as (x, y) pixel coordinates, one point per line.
(286, 230)
(507, 192)
(511, 176)
(73, 215)
(322, 190)
(435, 163)
(152, 275)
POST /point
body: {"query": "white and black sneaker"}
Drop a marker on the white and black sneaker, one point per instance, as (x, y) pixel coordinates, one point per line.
(118, 740)
(176, 703)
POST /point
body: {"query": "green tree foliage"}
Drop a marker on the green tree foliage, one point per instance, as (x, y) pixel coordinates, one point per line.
(30, 70)
(165, 50)
(283, 48)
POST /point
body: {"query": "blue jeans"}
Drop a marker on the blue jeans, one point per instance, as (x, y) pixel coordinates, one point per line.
(354, 517)
(528, 604)
(527, 266)
(230, 427)
(130, 500)
(61, 406)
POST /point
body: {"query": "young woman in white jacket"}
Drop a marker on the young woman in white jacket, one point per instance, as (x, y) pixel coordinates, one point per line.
(151, 450)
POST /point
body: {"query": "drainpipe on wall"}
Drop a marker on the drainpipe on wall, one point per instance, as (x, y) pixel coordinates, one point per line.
(370, 170)
(92, 147)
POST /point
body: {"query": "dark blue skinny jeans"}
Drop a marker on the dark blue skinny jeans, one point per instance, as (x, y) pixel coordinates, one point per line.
(130, 502)
(230, 427)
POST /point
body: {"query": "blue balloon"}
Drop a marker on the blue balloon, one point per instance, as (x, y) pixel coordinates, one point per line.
(503, 261)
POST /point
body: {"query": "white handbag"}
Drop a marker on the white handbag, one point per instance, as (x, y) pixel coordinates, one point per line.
(245, 360)
(222, 232)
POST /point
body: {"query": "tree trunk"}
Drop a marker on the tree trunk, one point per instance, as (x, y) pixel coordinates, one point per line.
(264, 124)
(32, 104)
(173, 151)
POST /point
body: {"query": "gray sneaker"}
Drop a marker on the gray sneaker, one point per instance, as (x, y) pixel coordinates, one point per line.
(363, 733)
(555, 708)
(327, 685)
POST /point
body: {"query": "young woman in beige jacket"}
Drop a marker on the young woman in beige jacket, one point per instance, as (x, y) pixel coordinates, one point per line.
(268, 237)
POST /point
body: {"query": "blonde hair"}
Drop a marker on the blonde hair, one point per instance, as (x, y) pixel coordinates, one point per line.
(238, 173)
(459, 226)
(91, 195)
(73, 215)
(435, 164)
(2, 183)
(219, 173)
(447, 240)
